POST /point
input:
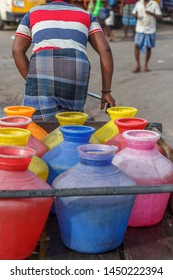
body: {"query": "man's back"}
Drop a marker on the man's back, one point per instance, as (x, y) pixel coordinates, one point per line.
(58, 24)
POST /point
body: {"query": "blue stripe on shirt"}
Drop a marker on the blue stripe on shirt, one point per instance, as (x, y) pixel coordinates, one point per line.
(58, 33)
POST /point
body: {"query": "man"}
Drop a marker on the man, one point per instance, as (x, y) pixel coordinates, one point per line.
(146, 12)
(58, 72)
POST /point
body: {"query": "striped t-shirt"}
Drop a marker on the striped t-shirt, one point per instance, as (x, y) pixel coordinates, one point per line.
(58, 25)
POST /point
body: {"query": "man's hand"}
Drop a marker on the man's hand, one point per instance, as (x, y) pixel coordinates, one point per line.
(154, 15)
(107, 98)
(149, 13)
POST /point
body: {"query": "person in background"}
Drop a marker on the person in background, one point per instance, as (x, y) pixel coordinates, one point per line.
(57, 74)
(128, 21)
(147, 12)
(90, 6)
(109, 22)
(106, 20)
(104, 13)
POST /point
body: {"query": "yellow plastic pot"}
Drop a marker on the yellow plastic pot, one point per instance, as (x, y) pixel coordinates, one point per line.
(19, 137)
(64, 118)
(53, 138)
(109, 130)
(69, 118)
(39, 167)
(14, 136)
(121, 112)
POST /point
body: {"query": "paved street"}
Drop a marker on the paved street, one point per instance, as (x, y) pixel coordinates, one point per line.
(151, 93)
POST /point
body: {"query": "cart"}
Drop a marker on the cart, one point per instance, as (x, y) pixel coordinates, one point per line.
(149, 243)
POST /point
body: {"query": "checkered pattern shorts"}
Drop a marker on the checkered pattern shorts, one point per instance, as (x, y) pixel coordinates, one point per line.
(127, 18)
(144, 41)
(57, 81)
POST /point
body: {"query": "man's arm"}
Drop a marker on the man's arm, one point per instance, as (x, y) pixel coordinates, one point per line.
(101, 46)
(19, 49)
(157, 14)
(154, 15)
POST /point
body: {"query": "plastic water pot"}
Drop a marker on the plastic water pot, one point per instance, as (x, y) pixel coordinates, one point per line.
(23, 122)
(19, 110)
(64, 118)
(109, 130)
(15, 121)
(147, 166)
(121, 112)
(19, 137)
(124, 124)
(14, 136)
(36, 130)
(22, 219)
(93, 224)
(65, 155)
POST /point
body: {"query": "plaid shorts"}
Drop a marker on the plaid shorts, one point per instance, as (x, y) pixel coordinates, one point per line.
(57, 81)
(127, 18)
(144, 41)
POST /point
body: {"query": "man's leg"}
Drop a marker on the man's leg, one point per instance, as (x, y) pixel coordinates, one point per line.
(137, 58)
(147, 58)
(125, 31)
(133, 32)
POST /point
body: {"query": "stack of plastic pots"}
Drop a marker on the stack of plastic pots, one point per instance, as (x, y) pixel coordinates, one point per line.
(64, 118)
(36, 130)
(23, 122)
(109, 130)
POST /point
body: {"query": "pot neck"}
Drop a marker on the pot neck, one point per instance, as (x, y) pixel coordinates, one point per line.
(124, 124)
(14, 158)
(15, 121)
(76, 133)
(96, 154)
(141, 139)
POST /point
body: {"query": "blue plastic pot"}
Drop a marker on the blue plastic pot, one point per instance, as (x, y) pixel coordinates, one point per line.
(93, 224)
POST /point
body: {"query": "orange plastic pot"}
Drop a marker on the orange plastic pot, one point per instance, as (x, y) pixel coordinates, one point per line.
(36, 130)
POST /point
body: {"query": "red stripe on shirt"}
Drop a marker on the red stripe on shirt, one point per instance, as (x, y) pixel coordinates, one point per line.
(96, 30)
(46, 48)
(75, 16)
(23, 35)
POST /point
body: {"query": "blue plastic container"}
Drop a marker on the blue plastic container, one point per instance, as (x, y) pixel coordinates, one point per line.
(93, 224)
(65, 155)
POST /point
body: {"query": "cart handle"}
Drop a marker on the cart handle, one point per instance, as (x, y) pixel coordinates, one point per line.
(125, 190)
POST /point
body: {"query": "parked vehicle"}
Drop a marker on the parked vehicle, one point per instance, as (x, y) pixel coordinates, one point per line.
(167, 8)
(12, 11)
